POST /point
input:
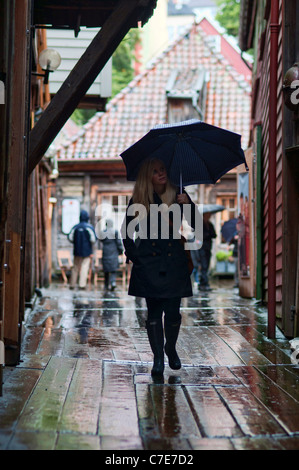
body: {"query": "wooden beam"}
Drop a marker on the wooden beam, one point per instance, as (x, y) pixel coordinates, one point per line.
(81, 77)
(17, 181)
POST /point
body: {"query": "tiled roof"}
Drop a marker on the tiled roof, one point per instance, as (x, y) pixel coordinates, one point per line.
(143, 103)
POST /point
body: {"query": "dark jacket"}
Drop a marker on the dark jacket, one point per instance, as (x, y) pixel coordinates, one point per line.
(82, 236)
(112, 247)
(208, 234)
(160, 266)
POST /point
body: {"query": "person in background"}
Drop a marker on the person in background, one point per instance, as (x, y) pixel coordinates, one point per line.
(83, 237)
(234, 259)
(194, 252)
(205, 252)
(112, 247)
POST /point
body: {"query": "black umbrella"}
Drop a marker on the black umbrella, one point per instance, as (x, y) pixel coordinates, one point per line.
(212, 208)
(229, 230)
(193, 152)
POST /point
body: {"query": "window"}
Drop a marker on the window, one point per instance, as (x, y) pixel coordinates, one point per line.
(229, 201)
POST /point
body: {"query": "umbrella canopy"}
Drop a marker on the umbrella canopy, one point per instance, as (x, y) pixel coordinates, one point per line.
(212, 208)
(193, 152)
(229, 229)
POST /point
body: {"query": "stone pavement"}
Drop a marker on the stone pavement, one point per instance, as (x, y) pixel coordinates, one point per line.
(84, 381)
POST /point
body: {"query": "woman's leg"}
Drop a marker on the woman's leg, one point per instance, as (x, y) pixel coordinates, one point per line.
(155, 334)
(113, 280)
(106, 276)
(172, 324)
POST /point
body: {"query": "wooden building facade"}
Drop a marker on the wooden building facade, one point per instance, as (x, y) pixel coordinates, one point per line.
(271, 28)
(29, 122)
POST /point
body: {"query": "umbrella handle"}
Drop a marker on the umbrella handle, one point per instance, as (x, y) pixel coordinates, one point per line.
(181, 183)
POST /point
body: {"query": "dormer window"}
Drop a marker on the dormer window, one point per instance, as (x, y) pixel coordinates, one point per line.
(186, 94)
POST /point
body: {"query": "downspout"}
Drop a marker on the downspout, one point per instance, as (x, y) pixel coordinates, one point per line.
(274, 31)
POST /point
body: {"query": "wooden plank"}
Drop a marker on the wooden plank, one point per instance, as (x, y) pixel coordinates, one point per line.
(221, 352)
(30, 440)
(52, 342)
(121, 443)
(31, 340)
(214, 418)
(190, 355)
(256, 443)
(81, 408)
(164, 417)
(242, 348)
(272, 351)
(16, 391)
(33, 361)
(252, 417)
(211, 444)
(118, 416)
(43, 410)
(81, 78)
(283, 407)
(76, 342)
(173, 413)
(77, 442)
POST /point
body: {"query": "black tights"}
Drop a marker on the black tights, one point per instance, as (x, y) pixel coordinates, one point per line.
(171, 308)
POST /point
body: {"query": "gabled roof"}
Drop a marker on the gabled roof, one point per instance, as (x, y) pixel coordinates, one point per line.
(143, 103)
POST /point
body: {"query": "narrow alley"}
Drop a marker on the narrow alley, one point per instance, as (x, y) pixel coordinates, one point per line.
(84, 380)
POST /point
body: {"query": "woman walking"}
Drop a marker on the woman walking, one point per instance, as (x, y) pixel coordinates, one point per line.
(112, 248)
(160, 265)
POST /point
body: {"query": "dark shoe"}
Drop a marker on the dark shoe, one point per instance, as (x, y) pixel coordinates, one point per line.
(171, 335)
(113, 286)
(158, 367)
(204, 288)
(156, 340)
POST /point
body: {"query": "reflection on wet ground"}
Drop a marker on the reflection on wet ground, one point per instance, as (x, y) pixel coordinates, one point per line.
(84, 381)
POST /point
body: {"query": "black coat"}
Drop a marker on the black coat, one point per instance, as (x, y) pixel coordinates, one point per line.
(208, 234)
(112, 248)
(160, 268)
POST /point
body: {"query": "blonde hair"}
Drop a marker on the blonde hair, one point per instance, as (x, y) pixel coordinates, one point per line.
(143, 192)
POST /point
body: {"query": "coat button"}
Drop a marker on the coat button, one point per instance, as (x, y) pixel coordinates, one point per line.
(154, 254)
(169, 244)
(153, 244)
(169, 254)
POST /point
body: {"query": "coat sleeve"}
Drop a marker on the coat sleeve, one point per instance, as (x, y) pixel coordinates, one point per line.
(127, 238)
(118, 242)
(72, 234)
(192, 216)
(92, 235)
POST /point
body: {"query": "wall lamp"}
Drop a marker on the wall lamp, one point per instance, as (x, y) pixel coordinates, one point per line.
(49, 60)
(290, 87)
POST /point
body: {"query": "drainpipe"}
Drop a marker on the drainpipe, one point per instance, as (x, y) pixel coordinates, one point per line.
(274, 31)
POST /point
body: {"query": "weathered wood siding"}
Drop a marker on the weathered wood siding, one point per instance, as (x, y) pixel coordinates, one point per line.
(262, 100)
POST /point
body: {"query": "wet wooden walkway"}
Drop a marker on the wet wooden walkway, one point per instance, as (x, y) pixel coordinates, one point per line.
(84, 381)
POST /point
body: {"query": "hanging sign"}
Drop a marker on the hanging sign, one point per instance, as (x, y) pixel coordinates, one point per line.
(70, 214)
